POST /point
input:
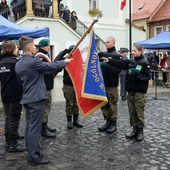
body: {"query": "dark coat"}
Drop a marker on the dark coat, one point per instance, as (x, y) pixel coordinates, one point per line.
(11, 89)
(135, 82)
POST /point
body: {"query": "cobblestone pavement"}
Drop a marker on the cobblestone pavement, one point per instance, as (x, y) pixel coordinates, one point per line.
(88, 149)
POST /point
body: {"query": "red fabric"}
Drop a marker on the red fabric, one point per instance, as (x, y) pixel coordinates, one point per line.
(85, 104)
(163, 61)
(123, 4)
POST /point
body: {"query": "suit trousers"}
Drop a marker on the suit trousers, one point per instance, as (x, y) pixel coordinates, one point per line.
(34, 116)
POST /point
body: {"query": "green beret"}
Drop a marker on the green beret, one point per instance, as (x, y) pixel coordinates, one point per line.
(43, 43)
(71, 47)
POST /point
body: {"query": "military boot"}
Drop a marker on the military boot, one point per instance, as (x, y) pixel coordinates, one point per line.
(14, 146)
(45, 132)
(76, 122)
(133, 134)
(69, 122)
(104, 127)
(112, 128)
(140, 136)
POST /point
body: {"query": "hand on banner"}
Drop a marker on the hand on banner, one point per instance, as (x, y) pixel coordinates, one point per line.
(104, 59)
(133, 71)
(68, 60)
(104, 64)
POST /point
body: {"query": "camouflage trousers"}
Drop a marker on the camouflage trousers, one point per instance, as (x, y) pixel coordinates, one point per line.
(47, 109)
(71, 103)
(110, 109)
(136, 104)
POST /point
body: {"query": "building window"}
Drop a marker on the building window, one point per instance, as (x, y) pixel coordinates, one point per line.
(158, 30)
(168, 28)
(93, 4)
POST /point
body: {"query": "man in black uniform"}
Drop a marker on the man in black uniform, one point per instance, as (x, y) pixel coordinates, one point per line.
(137, 79)
(11, 93)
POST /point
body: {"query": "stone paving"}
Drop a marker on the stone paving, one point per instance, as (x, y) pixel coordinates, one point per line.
(88, 149)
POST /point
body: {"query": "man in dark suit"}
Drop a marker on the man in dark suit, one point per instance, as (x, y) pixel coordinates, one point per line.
(30, 72)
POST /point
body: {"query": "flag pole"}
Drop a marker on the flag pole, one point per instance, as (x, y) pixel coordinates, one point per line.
(84, 35)
(130, 29)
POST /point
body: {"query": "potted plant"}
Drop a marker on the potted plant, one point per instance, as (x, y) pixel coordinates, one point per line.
(93, 11)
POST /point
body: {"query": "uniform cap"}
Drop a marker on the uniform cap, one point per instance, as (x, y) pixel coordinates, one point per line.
(124, 50)
(43, 43)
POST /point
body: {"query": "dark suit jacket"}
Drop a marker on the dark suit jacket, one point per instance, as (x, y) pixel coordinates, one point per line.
(30, 72)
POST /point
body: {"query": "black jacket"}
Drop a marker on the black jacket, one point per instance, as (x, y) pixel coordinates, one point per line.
(66, 78)
(135, 82)
(11, 89)
(48, 76)
(110, 73)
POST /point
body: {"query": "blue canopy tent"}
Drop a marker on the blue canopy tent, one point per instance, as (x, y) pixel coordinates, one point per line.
(160, 41)
(10, 30)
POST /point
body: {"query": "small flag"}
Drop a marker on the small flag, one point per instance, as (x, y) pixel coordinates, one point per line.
(123, 4)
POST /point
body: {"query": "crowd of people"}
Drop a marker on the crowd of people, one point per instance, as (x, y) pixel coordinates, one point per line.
(19, 88)
(159, 65)
(40, 8)
(18, 9)
(34, 92)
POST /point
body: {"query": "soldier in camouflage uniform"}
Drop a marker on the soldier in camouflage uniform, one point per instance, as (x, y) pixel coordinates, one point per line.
(137, 78)
(69, 94)
(111, 79)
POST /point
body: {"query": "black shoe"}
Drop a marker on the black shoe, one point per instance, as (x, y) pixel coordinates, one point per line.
(52, 130)
(20, 136)
(133, 134)
(112, 128)
(38, 161)
(104, 127)
(77, 124)
(140, 136)
(47, 134)
(69, 125)
(16, 148)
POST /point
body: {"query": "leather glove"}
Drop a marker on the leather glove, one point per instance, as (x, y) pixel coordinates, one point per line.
(101, 54)
(65, 51)
(104, 64)
(133, 71)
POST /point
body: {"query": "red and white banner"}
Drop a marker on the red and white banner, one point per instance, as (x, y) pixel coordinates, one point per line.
(87, 78)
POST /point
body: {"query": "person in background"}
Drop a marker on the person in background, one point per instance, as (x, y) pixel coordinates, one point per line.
(163, 66)
(156, 57)
(111, 80)
(60, 9)
(30, 72)
(137, 81)
(11, 94)
(122, 74)
(44, 47)
(66, 15)
(72, 111)
(4, 9)
(153, 65)
(167, 70)
(73, 21)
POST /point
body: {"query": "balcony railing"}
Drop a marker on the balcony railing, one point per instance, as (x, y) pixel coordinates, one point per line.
(19, 9)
